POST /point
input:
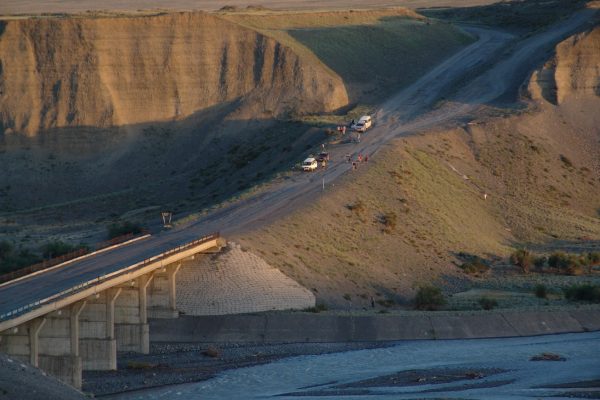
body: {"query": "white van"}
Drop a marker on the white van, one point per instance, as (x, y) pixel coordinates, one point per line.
(363, 123)
(310, 164)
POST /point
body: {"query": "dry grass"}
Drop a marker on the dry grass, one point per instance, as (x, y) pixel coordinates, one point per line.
(374, 51)
(339, 248)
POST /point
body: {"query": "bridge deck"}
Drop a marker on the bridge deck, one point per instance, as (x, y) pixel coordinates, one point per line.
(20, 297)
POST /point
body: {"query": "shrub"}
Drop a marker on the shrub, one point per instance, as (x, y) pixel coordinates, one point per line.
(540, 291)
(57, 248)
(316, 309)
(585, 292)
(522, 258)
(358, 206)
(487, 303)
(12, 259)
(212, 352)
(540, 262)
(140, 365)
(429, 298)
(566, 161)
(389, 221)
(559, 260)
(123, 228)
(593, 260)
(476, 266)
(386, 303)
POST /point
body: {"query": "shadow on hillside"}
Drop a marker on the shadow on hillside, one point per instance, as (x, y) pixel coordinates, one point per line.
(98, 174)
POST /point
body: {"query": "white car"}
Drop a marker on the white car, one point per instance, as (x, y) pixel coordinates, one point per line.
(363, 123)
(310, 164)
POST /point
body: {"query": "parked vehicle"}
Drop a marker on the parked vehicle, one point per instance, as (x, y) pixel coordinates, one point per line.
(363, 123)
(310, 164)
(323, 156)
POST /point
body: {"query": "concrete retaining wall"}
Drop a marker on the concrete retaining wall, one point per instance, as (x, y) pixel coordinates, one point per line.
(303, 327)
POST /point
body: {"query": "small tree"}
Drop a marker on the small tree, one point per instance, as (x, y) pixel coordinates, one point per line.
(593, 260)
(57, 248)
(429, 298)
(522, 258)
(123, 228)
(488, 303)
(540, 291)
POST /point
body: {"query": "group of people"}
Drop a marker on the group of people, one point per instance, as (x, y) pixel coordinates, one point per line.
(359, 159)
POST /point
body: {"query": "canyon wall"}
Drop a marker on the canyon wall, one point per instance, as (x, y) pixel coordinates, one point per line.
(573, 71)
(104, 72)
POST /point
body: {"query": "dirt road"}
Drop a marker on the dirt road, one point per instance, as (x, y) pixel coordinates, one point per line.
(410, 112)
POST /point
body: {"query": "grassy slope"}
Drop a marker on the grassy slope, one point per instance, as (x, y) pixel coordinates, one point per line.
(534, 198)
(524, 16)
(374, 52)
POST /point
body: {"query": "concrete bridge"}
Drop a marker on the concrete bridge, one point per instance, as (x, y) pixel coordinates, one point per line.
(76, 316)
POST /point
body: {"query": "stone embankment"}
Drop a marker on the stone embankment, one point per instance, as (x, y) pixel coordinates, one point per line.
(305, 327)
(236, 282)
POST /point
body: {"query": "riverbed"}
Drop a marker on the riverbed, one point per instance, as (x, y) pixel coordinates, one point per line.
(459, 369)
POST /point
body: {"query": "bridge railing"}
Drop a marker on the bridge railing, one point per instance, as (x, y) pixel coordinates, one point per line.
(72, 290)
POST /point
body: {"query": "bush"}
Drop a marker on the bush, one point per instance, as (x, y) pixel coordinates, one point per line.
(540, 262)
(57, 248)
(140, 365)
(522, 258)
(487, 304)
(593, 260)
(358, 206)
(429, 298)
(386, 303)
(212, 352)
(124, 228)
(586, 292)
(476, 266)
(12, 259)
(316, 309)
(389, 221)
(540, 291)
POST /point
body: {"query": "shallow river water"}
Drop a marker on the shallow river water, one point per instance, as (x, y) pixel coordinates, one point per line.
(456, 369)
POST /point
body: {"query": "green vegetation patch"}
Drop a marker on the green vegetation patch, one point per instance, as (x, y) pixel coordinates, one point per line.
(385, 56)
(520, 15)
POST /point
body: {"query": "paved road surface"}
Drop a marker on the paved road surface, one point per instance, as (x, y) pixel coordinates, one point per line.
(401, 115)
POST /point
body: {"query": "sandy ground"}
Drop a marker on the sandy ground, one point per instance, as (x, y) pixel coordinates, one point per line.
(490, 369)
(76, 6)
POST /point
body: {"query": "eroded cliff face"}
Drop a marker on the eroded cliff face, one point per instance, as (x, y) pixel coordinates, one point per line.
(573, 71)
(119, 71)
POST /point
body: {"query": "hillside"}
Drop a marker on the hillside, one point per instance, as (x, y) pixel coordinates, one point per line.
(108, 72)
(401, 220)
(181, 110)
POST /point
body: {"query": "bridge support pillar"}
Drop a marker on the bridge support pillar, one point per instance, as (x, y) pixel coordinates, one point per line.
(55, 344)
(131, 316)
(98, 346)
(163, 293)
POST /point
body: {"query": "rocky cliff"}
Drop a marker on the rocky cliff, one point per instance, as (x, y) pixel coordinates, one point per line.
(573, 71)
(108, 72)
